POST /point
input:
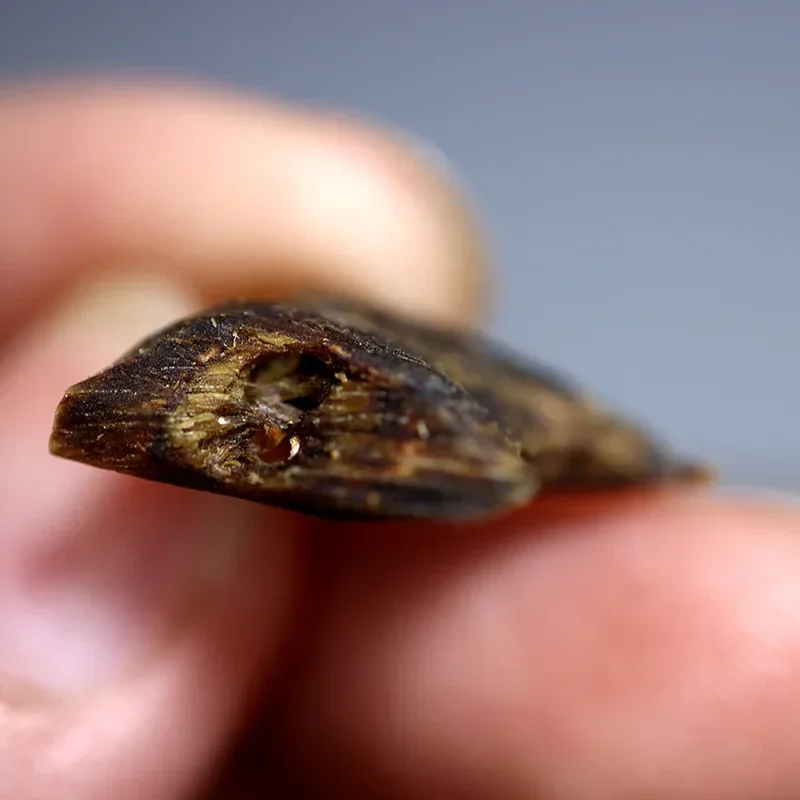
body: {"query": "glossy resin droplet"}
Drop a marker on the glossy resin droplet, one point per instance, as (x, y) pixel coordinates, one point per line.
(336, 409)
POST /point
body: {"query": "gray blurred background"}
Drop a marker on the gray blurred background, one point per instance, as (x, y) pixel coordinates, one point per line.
(636, 163)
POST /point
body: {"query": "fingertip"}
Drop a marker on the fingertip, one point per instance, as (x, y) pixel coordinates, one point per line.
(231, 193)
(588, 644)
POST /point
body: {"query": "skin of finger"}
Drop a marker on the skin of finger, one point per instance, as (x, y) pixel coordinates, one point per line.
(647, 649)
(235, 194)
(160, 732)
(71, 220)
(136, 623)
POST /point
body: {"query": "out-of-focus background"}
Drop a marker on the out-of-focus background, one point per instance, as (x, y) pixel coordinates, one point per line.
(637, 165)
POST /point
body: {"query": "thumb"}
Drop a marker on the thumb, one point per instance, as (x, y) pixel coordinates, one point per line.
(128, 616)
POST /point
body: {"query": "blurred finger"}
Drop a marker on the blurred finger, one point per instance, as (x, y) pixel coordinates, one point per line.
(130, 614)
(152, 609)
(648, 649)
(232, 194)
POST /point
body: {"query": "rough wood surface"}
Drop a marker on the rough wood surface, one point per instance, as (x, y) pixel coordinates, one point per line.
(337, 409)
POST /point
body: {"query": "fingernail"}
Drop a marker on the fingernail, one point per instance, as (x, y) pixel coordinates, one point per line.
(91, 328)
(427, 150)
(95, 567)
(105, 317)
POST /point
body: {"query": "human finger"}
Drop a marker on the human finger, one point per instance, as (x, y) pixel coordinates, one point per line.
(226, 193)
(645, 649)
(97, 572)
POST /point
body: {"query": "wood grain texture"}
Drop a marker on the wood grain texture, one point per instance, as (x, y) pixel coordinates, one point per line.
(336, 409)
